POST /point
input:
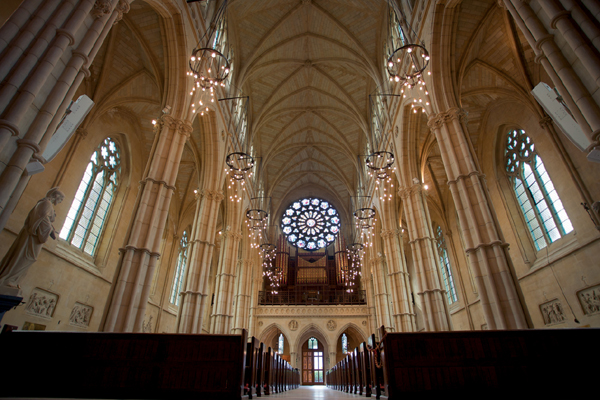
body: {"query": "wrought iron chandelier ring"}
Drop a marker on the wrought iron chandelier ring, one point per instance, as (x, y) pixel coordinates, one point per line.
(216, 60)
(365, 213)
(398, 66)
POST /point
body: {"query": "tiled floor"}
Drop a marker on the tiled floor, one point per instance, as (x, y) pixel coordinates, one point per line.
(313, 392)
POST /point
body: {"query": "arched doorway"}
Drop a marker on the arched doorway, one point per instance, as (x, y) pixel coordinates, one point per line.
(312, 362)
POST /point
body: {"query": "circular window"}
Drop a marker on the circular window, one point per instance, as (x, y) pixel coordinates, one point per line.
(310, 223)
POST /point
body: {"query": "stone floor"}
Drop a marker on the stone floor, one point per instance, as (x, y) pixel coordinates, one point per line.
(312, 392)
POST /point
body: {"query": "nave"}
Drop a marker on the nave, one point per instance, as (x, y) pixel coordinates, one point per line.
(314, 392)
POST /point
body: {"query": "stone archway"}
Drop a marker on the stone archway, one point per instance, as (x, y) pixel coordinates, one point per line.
(313, 331)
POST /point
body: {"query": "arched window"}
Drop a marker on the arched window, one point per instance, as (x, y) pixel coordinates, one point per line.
(93, 199)
(180, 268)
(280, 343)
(445, 263)
(313, 344)
(344, 343)
(544, 213)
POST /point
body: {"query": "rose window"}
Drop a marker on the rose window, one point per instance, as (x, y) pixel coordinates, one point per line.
(310, 223)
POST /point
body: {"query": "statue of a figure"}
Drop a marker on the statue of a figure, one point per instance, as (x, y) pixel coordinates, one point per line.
(28, 244)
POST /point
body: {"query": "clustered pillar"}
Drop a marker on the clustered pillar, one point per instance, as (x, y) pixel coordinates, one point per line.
(31, 74)
(194, 297)
(422, 242)
(484, 246)
(139, 257)
(403, 312)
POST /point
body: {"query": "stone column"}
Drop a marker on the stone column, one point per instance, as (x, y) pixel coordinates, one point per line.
(427, 263)
(257, 285)
(131, 289)
(19, 21)
(56, 99)
(561, 19)
(222, 317)
(367, 282)
(293, 356)
(243, 296)
(21, 29)
(403, 312)
(332, 358)
(484, 247)
(194, 297)
(382, 297)
(558, 66)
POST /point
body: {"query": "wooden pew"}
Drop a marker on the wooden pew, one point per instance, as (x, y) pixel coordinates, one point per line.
(260, 373)
(358, 385)
(251, 370)
(367, 379)
(541, 363)
(377, 375)
(123, 365)
(268, 372)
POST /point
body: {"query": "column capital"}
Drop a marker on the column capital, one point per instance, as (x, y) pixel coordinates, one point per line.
(405, 192)
(215, 195)
(435, 121)
(101, 8)
(387, 233)
(121, 8)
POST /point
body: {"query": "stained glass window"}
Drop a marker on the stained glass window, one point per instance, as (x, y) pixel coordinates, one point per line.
(344, 343)
(281, 343)
(445, 263)
(313, 344)
(93, 198)
(180, 268)
(543, 210)
(310, 224)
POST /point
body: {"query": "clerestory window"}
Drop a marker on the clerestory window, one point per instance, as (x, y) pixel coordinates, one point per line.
(445, 263)
(542, 208)
(93, 199)
(180, 268)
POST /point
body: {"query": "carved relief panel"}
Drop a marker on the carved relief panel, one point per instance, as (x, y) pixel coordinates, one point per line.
(553, 312)
(81, 315)
(41, 303)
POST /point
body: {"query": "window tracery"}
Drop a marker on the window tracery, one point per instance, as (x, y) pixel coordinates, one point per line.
(542, 208)
(280, 344)
(180, 268)
(310, 224)
(445, 263)
(88, 213)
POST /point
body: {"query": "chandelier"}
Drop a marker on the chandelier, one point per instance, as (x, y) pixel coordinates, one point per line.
(209, 63)
(407, 64)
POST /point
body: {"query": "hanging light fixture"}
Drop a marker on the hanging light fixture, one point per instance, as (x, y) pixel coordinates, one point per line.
(380, 163)
(209, 62)
(407, 61)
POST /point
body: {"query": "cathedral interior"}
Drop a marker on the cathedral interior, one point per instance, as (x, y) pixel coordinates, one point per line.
(306, 170)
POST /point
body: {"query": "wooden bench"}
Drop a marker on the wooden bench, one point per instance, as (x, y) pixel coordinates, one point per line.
(122, 365)
(508, 363)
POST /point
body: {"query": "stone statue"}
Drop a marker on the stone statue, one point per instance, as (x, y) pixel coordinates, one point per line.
(28, 244)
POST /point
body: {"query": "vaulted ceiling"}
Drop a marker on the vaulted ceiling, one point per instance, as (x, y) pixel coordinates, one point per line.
(308, 67)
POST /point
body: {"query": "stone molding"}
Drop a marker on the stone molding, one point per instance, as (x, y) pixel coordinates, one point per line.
(121, 8)
(437, 120)
(215, 195)
(157, 182)
(388, 233)
(101, 8)
(315, 311)
(9, 126)
(406, 192)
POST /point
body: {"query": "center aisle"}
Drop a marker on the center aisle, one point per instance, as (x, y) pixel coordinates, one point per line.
(313, 392)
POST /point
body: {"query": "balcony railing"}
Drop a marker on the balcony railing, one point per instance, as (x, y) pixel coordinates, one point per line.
(312, 297)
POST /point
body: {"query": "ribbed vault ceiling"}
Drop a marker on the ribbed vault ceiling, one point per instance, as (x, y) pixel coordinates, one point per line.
(308, 67)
